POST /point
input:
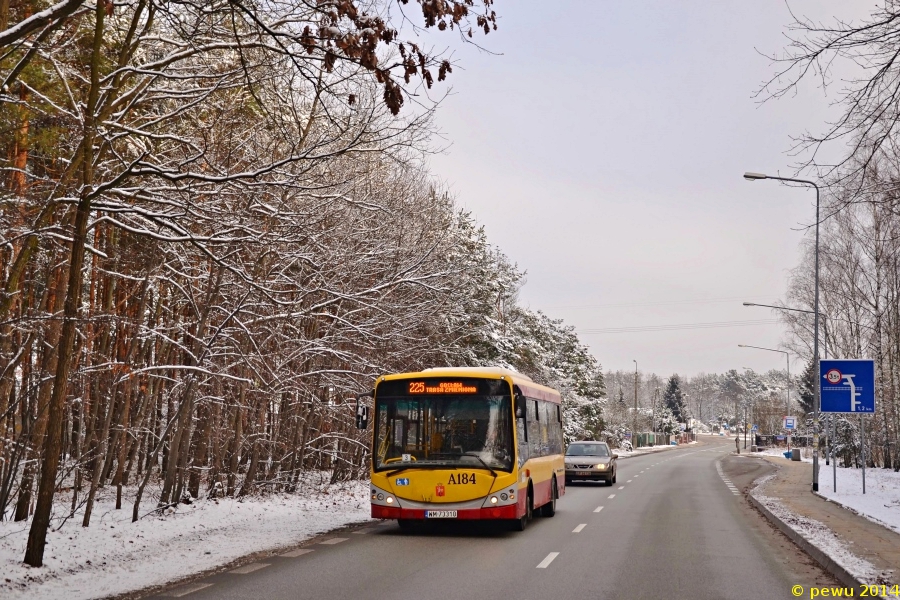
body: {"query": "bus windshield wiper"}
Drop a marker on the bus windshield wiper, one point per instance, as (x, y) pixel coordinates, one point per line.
(420, 466)
(481, 460)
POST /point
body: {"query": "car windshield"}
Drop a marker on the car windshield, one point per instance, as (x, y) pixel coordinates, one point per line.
(444, 431)
(587, 450)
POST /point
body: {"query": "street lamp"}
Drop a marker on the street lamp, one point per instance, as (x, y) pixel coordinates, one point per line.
(787, 400)
(634, 418)
(801, 310)
(749, 176)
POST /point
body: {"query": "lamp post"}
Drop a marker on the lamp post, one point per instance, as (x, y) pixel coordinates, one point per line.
(787, 399)
(634, 418)
(815, 475)
(801, 310)
(829, 437)
(653, 416)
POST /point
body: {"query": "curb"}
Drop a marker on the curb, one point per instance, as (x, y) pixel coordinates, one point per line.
(820, 557)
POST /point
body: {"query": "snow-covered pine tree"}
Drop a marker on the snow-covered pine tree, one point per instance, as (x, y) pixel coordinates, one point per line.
(674, 398)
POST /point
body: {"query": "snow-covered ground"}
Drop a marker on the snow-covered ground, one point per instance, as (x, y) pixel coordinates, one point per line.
(823, 538)
(648, 450)
(114, 555)
(880, 503)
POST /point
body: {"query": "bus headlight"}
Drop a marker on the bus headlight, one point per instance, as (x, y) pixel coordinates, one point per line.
(494, 500)
(389, 499)
(504, 496)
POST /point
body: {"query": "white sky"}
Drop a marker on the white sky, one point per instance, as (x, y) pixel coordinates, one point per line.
(603, 151)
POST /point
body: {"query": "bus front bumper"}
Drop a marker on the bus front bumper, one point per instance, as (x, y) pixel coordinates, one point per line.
(472, 514)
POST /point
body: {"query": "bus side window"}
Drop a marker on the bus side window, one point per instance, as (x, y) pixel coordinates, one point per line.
(521, 416)
(558, 431)
(534, 429)
(546, 428)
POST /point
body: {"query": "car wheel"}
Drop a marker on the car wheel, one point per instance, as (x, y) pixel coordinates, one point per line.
(613, 478)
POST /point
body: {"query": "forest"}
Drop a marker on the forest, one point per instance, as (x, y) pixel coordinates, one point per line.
(217, 225)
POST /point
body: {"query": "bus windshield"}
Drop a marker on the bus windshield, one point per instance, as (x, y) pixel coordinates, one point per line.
(448, 430)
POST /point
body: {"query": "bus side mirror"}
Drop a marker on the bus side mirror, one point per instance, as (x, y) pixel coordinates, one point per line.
(362, 411)
(362, 415)
(521, 409)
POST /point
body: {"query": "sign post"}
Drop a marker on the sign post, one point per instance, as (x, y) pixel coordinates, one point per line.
(849, 388)
(789, 423)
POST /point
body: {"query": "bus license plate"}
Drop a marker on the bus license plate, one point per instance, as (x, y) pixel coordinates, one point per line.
(582, 472)
(440, 514)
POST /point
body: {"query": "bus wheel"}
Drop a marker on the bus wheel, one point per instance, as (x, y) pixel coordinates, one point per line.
(549, 509)
(522, 522)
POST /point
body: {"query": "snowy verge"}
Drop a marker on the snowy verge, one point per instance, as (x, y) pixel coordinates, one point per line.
(649, 450)
(819, 539)
(880, 503)
(114, 556)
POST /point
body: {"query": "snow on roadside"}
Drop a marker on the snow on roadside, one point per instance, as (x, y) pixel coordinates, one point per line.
(645, 450)
(880, 503)
(114, 555)
(819, 535)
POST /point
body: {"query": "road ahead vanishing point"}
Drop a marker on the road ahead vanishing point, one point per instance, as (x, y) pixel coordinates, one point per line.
(676, 525)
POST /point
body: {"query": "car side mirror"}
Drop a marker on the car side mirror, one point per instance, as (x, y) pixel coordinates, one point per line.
(615, 455)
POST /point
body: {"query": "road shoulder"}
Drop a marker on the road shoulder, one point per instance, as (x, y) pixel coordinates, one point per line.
(853, 549)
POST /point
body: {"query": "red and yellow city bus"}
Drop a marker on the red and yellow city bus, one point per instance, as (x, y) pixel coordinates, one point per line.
(465, 443)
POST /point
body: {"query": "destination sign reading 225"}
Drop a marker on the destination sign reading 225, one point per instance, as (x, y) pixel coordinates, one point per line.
(443, 387)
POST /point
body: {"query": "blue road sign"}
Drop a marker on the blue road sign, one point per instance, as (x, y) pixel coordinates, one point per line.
(847, 386)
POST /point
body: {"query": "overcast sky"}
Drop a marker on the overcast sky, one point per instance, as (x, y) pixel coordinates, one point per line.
(603, 150)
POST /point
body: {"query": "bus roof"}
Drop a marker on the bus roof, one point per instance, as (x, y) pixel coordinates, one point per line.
(528, 387)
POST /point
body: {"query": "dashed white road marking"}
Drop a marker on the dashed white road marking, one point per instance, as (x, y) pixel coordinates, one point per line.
(184, 590)
(726, 480)
(612, 495)
(296, 553)
(333, 541)
(629, 481)
(598, 509)
(621, 487)
(249, 568)
(549, 559)
(579, 528)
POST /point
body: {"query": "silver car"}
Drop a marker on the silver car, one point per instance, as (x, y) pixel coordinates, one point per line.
(590, 461)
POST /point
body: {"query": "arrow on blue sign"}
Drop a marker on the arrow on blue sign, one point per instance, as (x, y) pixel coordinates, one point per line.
(847, 386)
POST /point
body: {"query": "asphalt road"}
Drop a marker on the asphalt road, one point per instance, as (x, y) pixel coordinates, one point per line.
(676, 525)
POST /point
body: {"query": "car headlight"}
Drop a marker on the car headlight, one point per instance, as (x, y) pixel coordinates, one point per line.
(601, 466)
